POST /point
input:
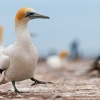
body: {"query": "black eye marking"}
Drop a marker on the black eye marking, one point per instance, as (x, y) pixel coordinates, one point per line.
(29, 14)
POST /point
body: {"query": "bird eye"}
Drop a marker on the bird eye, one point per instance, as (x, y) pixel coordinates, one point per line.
(29, 14)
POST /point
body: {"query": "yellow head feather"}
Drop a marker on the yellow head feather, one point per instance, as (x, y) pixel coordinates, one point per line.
(63, 53)
(21, 14)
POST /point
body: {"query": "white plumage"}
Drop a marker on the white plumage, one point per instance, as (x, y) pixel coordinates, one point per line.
(57, 61)
(20, 59)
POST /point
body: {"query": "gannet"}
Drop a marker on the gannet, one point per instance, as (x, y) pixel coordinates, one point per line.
(1, 43)
(20, 58)
(57, 61)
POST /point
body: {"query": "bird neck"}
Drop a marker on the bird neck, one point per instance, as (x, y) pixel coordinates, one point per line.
(62, 58)
(22, 34)
(1, 41)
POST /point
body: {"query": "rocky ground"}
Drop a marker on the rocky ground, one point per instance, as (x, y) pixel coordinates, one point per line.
(70, 83)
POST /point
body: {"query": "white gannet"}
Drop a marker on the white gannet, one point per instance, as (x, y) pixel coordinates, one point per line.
(57, 61)
(1, 44)
(20, 58)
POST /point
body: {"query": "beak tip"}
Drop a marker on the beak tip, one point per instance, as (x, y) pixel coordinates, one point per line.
(48, 17)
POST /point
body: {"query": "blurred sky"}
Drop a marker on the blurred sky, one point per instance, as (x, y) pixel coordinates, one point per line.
(70, 19)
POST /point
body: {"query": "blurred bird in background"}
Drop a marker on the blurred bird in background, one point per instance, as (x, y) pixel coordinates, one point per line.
(95, 67)
(1, 44)
(20, 59)
(57, 61)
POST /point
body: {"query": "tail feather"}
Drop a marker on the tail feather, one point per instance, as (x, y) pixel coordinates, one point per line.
(2, 78)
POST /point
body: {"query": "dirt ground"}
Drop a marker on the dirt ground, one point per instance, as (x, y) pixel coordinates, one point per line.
(70, 83)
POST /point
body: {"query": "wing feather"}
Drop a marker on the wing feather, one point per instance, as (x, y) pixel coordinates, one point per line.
(4, 62)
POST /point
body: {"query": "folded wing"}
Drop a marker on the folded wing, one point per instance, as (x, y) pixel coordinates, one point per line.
(4, 62)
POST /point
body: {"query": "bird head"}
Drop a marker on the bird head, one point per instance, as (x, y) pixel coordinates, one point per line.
(63, 54)
(27, 14)
(1, 33)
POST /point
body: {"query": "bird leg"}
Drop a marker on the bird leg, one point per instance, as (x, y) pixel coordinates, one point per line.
(13, 83)
(1, 70)
(39, 82)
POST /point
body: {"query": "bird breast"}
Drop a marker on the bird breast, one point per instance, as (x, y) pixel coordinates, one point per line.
(22, 63)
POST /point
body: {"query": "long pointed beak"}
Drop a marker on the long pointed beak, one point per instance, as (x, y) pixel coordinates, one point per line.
(36, 15)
